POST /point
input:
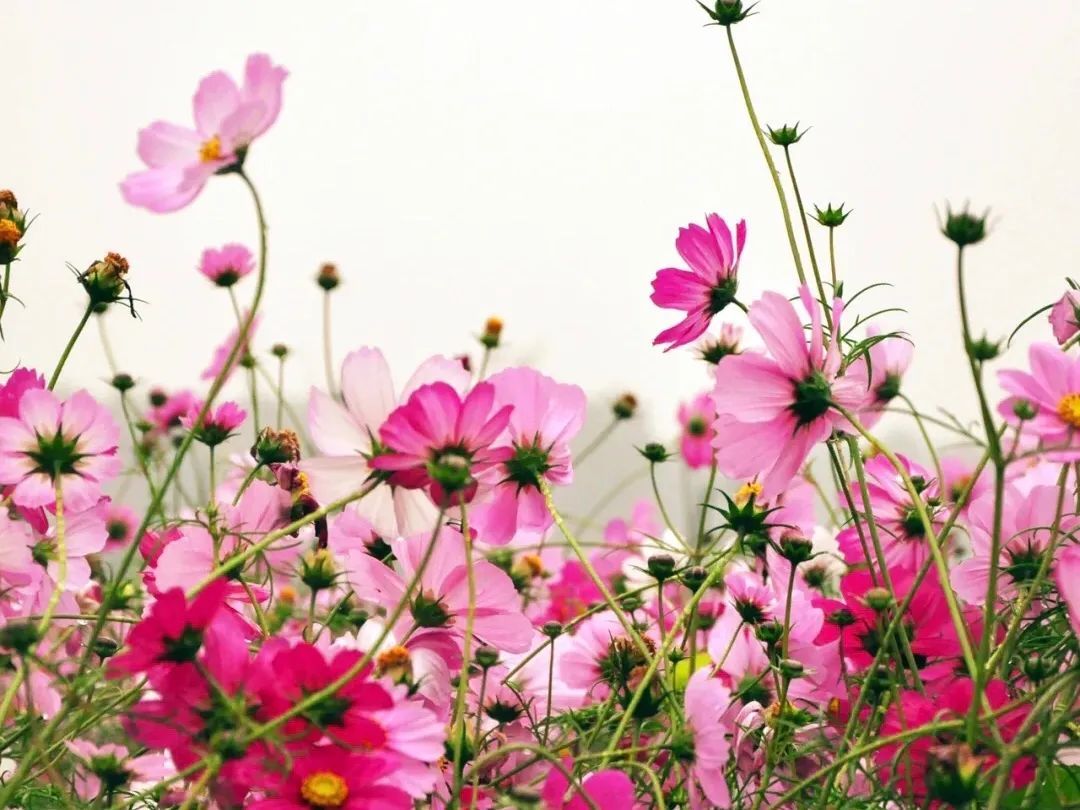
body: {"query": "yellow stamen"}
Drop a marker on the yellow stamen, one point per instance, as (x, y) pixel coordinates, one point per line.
(395, 662)
(531, 565)
(746, 490)
(1069, 410)
(9, 232)
(324, 789)
(210, 150)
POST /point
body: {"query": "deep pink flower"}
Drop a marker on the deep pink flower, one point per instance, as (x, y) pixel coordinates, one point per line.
(442, 442)
(52, 445)
(222, 352)
(330, 777)
(443, 600)
(1065, 316)
(546, 417)
(227, 264)
(1052, 392)
(772, 410)
(218, 424)
(707, 287)
(608, 790)
(227, 120)
(170, 410)
(20, 381)
(346, 436)
(172, 631)
(696, 418)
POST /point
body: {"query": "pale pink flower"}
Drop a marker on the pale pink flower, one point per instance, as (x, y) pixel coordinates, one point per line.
(546, 417)
(1051, 390)
(882, 373)
(224, 350)
(772, 410)
(707, 287)
(58, 445)
(120, 525)
(346, 435)
(228, 119)
(1068, 582)
(696, 418)
(1065, 316)
(113, 760)
(227, 264)
(708, 708)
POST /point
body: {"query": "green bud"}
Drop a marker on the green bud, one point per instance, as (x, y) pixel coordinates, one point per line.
(790, 668)
(785, 135)
(328, 277)
(661, 566)
(983, 349)
(654, 452)
(727, 12)
(19, 636)
(963, 227)
(123, 382)
(1024, 409)
(796, 550)
(552, 629)
(831, 217)
(878, 599)
(487, 657)
(625, 406)
(694, 577)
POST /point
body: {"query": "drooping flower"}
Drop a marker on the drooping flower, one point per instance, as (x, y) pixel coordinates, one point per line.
(707, 287)
(442, 442)
(228, 119)
(1065, 316)
(227, 264)
(332, 778)
(696, 438)
(546, 416)
(346, 436)
(1050, 395)
(772, 410)
(52, 445)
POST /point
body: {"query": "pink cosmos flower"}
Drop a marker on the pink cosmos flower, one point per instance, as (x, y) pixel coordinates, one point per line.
(707, 287)
(1052, 392)
(20, 381)
(696, 438)
(113, 761)
(608, 790)
(228, 119)
(772, 410)
(120, 525)
(1027, 521)
(882, 373)
(331, 777)
(171, 633)
(227, 264)
(85, 534)
(1065, 316)
(442, 442)
(714, 348)
(346, 436)
(222, 352)
(1067, 575)
(443, 599)
(546, 417)
(708, 706)
(51, 445)
(218, 424)
(170, 408)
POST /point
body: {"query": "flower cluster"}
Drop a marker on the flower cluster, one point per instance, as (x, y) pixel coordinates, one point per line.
(379, 604)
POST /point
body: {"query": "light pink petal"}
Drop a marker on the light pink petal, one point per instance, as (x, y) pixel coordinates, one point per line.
(752, 388)
(774, 318)
(216, 98)
(334, 430)
(163, 145)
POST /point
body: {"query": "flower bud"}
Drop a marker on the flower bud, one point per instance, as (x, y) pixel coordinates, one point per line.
(276, 446)
(694, 577)
(661, 566)
(769, 632)
(328, 277)
(790, 668)
(493, 327)
(487, 657)
(625, 406)
(952, 773)
(157, 397)
(654, 452)
(796, 550)
(317, 569)
(1025, 409)
(878, 599)
(105, 647)
(785, 135)
(123, 382)
(105, 281)
(552, 629)
(963, 227)
(727, 12)
(831, 217)
(13, 227)
(631, 603)
(279, 350)
(983, 349)
(18, 636)
(1039, 667)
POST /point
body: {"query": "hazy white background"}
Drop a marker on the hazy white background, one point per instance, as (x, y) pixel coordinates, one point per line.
(535, 160)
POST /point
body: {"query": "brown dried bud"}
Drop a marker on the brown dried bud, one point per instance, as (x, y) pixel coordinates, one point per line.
(328, 277)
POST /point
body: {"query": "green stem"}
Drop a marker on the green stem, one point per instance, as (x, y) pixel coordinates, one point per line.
(466, 659)
(832, 258)
(773, 173)
(663, 509)
(70, 345)
(328, 354)
(592, 446)
(809, 243)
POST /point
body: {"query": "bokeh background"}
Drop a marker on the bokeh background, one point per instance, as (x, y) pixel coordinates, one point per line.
(534, 160)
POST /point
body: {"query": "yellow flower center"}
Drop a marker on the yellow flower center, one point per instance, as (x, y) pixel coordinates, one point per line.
(531, 565)
(324, 789)
(1069, 410)
(746, 490)
(395, 662)
(210, 150)
(9, 232)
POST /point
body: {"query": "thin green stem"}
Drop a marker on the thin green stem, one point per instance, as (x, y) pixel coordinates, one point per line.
(328, 353)
(809, 242)
(70, 345)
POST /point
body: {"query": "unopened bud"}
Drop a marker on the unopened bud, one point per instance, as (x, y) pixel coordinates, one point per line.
(493, 327)
(279, 350)
(963, 227)
(878, 599)
(487, 657)
(123, 382)
(328, 277)
(654, 452)
(625, 406)
(276, 446)
(785, 135)
(661, 566)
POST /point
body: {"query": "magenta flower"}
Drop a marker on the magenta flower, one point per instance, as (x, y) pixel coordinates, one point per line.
(1065, 316)
(218, 424)
(707, 287)
(546, 417)
(227, 264)
(70, 446)
(607, 790)
(442, 442)
(331, 777)
(20, 381)
(346, 436)
(696, 418)
(222, 352)
(228, 119)
(772, 410)
(1050, 394)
